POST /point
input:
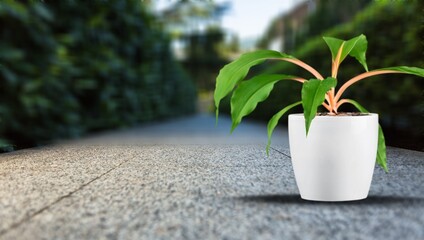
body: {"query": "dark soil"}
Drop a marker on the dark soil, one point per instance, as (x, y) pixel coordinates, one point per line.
(342, 114)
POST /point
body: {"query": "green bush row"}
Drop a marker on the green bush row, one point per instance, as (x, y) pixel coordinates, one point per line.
(394, 31)
(68, 67)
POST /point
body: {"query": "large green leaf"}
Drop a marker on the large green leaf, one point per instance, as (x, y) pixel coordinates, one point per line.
(251, 92)
(313, 95)
(355, 47)
(274, 121)
(408, 70)
(232, 73)
(381, 149)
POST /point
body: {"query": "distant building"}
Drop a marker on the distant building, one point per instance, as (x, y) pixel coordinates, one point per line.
(281, 34)
(308, 19)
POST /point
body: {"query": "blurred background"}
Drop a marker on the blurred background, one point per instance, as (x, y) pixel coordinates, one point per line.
(70, 68)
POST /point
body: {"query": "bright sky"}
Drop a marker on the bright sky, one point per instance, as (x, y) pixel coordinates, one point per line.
(248, 18)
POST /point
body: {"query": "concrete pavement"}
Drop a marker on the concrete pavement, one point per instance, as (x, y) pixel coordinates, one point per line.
(186, 179)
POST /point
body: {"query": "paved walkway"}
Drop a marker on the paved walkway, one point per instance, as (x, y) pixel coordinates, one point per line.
(198, 129)
(186, 179)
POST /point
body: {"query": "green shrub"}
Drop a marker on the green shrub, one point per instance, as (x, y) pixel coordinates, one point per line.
(67, 68)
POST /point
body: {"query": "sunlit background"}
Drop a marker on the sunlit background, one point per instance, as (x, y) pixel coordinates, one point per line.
(70, 68)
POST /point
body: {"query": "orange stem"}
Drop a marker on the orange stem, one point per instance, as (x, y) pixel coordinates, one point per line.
(360, 77)
(326, 106)
(304, 66)
(336, 62)
(332, 102)
(334, 71)
(339, 103)
(299, 79)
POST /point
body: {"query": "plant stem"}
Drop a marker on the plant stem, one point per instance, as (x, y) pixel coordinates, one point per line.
(326, 106)
(342, 101)
(336, 62)
(304, 66)
(332, 102)
(360, 77)
(334, 71)
(299, 79)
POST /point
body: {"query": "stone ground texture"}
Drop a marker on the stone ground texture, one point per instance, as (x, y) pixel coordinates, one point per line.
(186, 179)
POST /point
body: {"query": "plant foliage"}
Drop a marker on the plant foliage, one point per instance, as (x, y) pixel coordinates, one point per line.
(315, 92)
(392, 41)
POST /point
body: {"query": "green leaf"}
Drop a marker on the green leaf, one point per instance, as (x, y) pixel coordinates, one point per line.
(274, 121)
(313, 95)
(381, 149)
(231, 74)
(249, 93)
(355, 47)
(334, 45)
(408, 70)
(359, 49)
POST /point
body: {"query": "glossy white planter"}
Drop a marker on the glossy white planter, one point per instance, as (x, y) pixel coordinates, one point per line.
(335, 162)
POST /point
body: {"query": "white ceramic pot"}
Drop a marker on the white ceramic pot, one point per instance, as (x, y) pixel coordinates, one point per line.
(335, 162)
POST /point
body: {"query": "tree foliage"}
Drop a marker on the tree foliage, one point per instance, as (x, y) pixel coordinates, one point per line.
(68, 67)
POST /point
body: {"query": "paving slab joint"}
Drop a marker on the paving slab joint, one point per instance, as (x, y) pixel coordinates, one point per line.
(27, 218)
(285, 154)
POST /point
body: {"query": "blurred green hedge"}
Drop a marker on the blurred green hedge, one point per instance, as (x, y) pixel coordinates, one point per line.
(68, 67)
(394, 30)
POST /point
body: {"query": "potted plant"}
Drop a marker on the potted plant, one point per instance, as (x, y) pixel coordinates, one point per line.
(333, 153)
